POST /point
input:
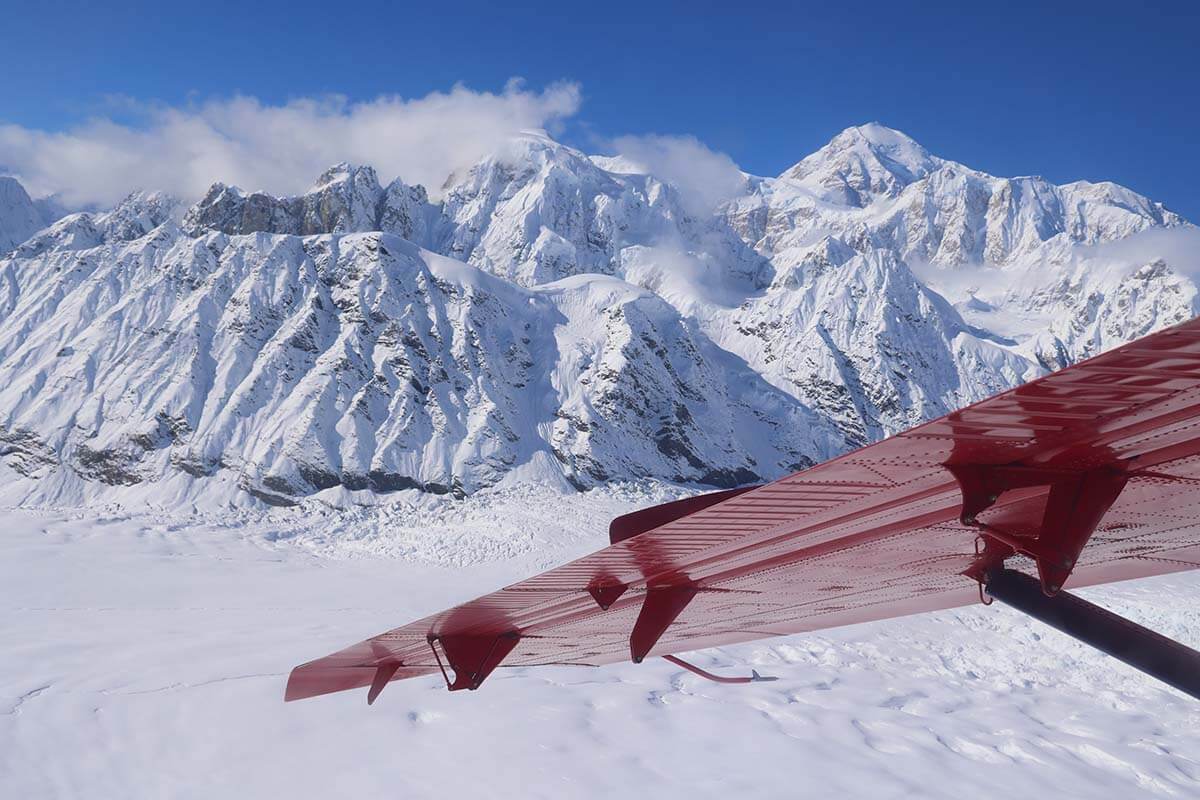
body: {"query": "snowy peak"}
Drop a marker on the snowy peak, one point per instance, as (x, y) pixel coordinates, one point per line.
(537, 211)
(862, 163)
(1105, 211)
(530, 151)
(19, 216)
(345, 173)
(875, 187)
(137, 215)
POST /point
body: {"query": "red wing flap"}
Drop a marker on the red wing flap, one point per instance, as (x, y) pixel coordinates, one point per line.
(629, 525)
(871, 535)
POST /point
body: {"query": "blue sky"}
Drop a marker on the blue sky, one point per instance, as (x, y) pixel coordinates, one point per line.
(1080, 90)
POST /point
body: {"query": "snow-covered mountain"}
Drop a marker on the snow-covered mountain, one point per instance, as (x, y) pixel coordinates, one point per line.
(344, 199)
(134, 217)
(1038, 254)
(19, 215)
(553, 317)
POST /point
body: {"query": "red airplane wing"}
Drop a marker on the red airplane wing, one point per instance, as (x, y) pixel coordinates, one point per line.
(1092, 473)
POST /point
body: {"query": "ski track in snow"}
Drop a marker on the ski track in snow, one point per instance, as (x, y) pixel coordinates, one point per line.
(146, 653)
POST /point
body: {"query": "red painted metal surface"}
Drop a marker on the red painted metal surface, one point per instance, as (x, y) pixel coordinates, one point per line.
(1088, 475)
(661, 606)
(629, 525)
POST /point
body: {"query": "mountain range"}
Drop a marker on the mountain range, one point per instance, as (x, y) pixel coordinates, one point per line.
(549, 316)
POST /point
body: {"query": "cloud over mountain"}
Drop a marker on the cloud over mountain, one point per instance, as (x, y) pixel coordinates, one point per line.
(278, 148)
(704, 176)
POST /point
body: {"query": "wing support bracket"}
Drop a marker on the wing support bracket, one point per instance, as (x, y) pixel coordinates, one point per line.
(472, 658)
(1075, 503)
(663, 604)
(1154, 654)
(606, 593)
(383, 674)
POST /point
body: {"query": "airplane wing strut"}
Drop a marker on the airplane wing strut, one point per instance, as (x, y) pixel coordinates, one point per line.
(1172, 663)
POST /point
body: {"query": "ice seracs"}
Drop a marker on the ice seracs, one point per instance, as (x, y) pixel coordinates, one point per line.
(552, 317)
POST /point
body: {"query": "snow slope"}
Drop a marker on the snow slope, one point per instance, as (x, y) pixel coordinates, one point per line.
(146, 657)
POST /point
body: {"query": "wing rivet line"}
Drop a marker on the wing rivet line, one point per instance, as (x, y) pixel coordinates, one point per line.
(636, 523)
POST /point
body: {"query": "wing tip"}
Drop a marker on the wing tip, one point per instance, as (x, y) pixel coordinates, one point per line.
(294, 690)
(315, 679)
(330, 675)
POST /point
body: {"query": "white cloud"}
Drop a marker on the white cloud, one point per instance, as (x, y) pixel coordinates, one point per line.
(704, 176)
(1178, 247)
(279, 148)
(1111, 261)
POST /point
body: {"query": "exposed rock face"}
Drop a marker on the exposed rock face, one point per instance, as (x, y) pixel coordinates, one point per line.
(345, 199)
(552, 319)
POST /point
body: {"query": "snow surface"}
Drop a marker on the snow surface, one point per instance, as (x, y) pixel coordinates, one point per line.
(146, 654)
